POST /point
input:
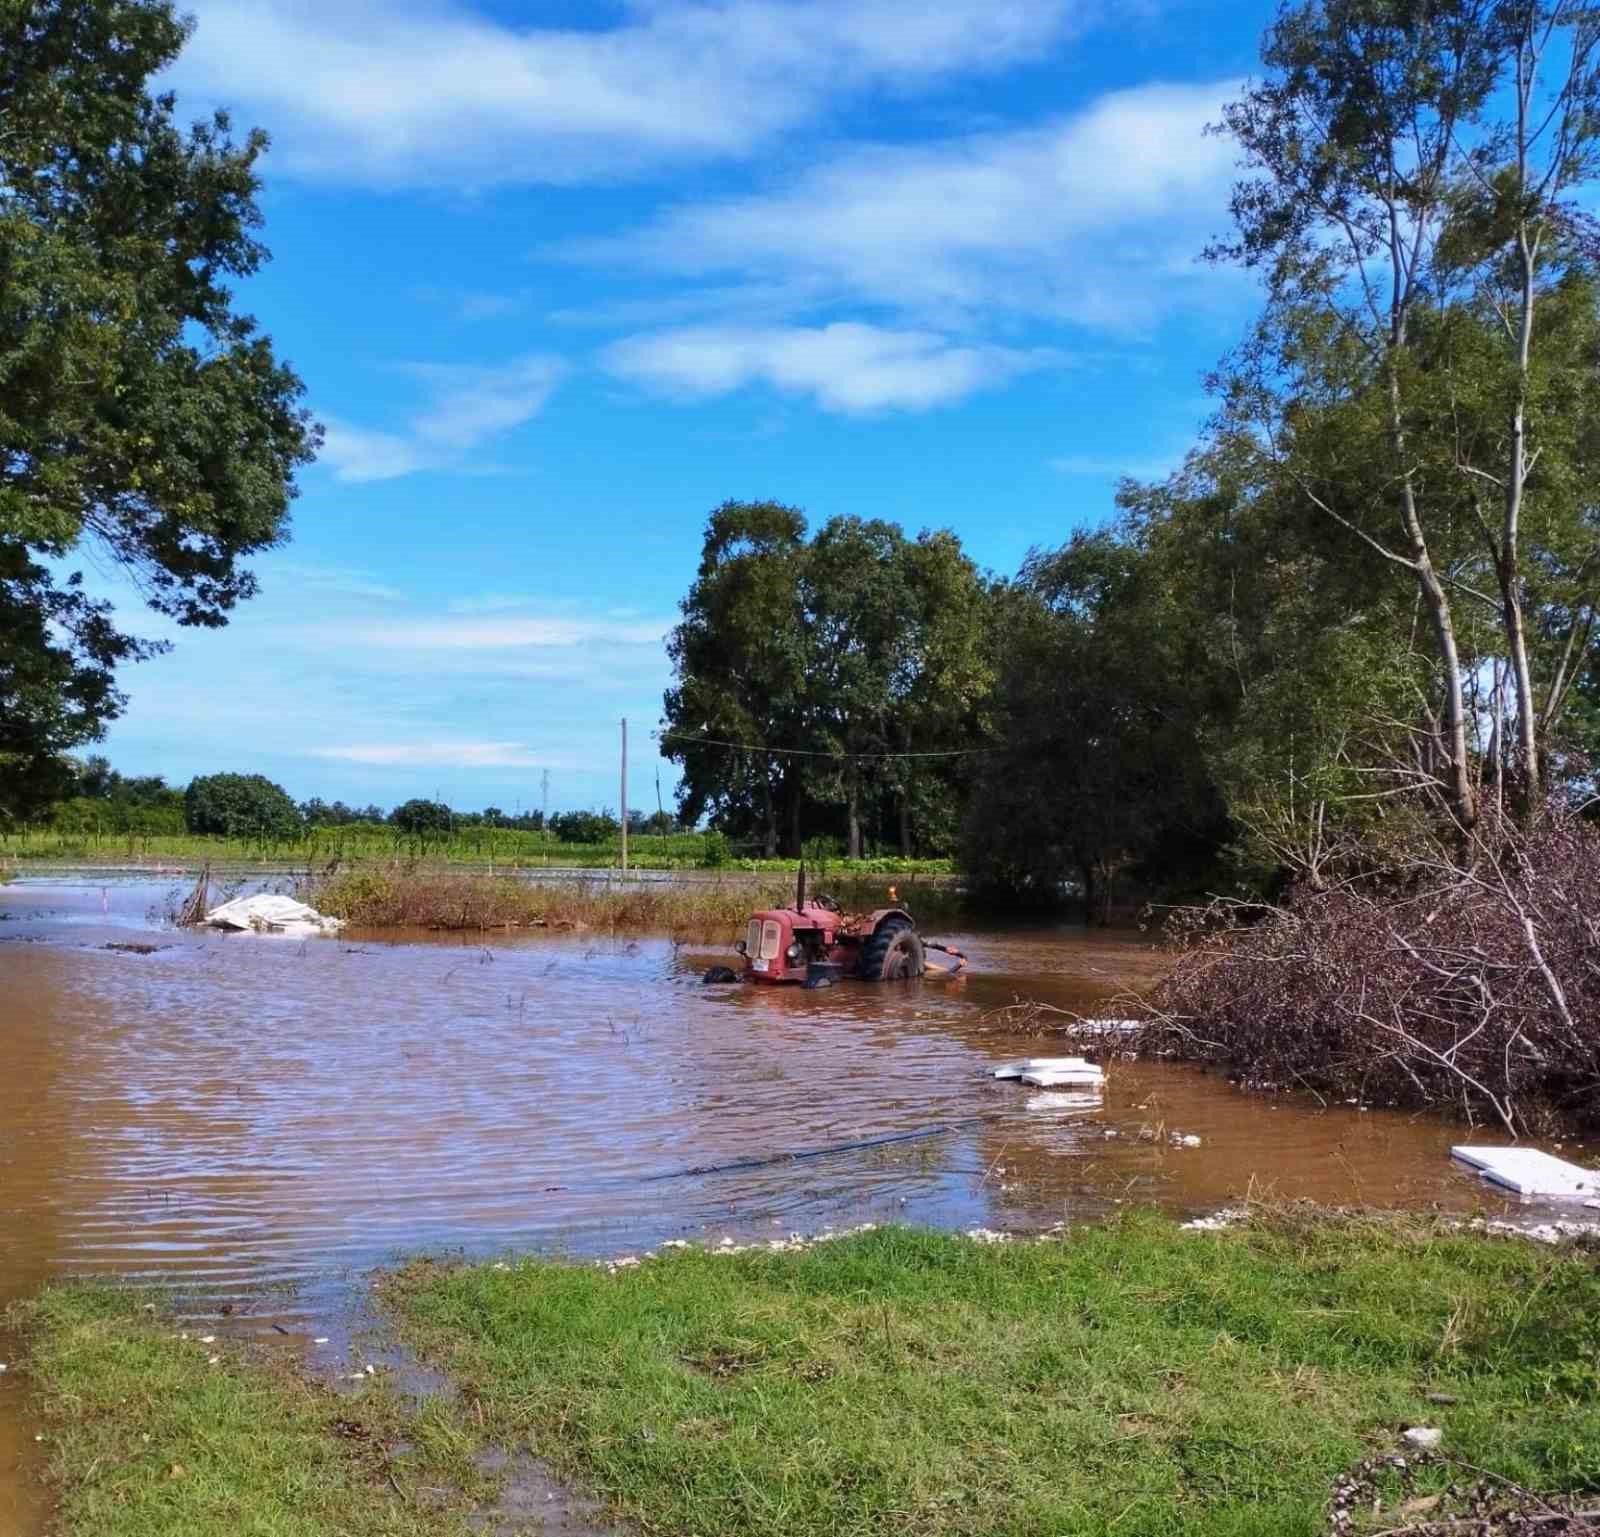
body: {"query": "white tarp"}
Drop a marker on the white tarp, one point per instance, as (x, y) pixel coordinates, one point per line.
(267, 914)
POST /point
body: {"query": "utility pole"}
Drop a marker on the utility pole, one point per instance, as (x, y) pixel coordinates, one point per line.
(544, 808)
(624, 794)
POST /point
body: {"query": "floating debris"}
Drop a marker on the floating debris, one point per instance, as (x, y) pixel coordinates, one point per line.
(1026, 1065)
(1080, 1101)
(1529, 1171)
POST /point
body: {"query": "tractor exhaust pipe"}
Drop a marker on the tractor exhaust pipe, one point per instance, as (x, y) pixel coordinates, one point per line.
(800, 889)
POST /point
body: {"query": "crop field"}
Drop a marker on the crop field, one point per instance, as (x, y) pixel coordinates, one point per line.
(489, 846)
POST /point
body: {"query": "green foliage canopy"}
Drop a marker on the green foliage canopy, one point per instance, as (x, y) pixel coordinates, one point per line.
(141, 414)
(422, 818)
(240, 806)
(821, 659)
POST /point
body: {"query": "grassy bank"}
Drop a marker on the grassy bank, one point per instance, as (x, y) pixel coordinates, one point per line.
(425, 896)
(469, 846)
(147, 1438)
(1134, 1378)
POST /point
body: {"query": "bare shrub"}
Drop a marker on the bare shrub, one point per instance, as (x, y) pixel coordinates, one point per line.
(1467, 975)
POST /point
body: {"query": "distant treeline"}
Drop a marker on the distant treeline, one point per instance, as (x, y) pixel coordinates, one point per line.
(252, 806)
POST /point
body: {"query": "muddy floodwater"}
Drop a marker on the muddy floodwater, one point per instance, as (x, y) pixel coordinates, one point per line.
(224, 1113)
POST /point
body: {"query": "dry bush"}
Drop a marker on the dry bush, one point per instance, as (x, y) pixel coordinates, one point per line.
(1467, 975)
(428, 897)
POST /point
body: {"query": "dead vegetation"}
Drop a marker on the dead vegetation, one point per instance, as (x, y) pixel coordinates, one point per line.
(1466, 975)
(419, 897)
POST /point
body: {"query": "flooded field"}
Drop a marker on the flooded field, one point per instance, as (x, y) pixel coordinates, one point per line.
(227, 1113)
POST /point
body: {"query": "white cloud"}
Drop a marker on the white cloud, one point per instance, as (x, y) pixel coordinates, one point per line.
(469, 755)
(390, 92)
(354, 454)
(846, 367)
(341, 581)
(468, 406)
(512, 634)
(1096, 218)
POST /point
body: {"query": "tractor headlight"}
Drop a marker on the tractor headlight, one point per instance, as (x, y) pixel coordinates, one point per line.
(792, 954)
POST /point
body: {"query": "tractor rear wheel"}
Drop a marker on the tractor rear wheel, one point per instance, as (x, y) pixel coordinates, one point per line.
(893, 954)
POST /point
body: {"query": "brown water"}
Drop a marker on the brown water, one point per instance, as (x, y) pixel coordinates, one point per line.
(232, 1111)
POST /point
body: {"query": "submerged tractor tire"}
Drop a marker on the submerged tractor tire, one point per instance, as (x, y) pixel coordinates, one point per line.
(893, 954)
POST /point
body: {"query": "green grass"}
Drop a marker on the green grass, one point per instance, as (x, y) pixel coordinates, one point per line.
(472, 846)
(1133, 1378)
(146, 1439)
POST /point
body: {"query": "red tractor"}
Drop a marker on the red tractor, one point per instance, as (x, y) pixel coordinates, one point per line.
(815, 944)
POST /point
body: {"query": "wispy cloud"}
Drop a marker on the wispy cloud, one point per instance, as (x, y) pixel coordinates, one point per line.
(845, 367)
(493, 602)
(468, 406)
(339, 581)
(466, 755)
(475, 304)
(1095, 219)
(389, 92)
(507, 635)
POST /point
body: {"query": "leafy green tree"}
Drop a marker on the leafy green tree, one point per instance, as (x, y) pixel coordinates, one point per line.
(585, 826)
(824, 661)
(740, 657)
(240, 806)
(1412, 207)
(421, 818)
(141, 415)
(1100, 711)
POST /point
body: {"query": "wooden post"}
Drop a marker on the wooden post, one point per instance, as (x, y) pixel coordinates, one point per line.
(624, 794)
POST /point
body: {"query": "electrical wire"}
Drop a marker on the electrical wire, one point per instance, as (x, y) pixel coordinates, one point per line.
(805, 752)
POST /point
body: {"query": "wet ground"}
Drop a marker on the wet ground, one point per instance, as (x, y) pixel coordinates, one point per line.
(231, 1114)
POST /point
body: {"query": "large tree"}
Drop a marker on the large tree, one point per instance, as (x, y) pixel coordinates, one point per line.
(1416, 166)
(740, 661)
(142, 416)
(810, 670)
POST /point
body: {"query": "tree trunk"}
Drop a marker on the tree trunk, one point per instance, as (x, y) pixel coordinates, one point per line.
(795, 785)
(1507, 567)
(905, 825)
(853, 798)
(769, 817)
(1463, 795)
(1531, 787)
(1089, 892)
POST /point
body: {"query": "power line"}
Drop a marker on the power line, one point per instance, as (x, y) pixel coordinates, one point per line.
(803, 752)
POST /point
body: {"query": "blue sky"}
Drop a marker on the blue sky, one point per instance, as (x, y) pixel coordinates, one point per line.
(560, 278)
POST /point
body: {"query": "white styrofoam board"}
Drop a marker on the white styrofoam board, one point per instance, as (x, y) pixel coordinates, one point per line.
(1042, 1065)
(1052, 1078)
(1529, 1171)
(1055, 1101)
